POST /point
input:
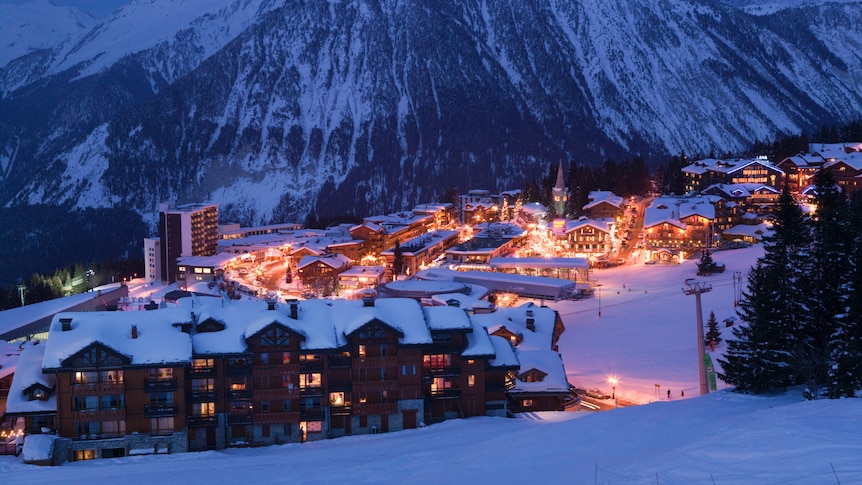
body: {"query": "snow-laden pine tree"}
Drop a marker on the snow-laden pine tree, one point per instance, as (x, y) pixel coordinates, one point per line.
(761, 357)
(713, 334)
(825, 288)
(845, 345)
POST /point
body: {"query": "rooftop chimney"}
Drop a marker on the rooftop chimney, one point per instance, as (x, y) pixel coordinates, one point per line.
(66, 324)
(270, 305)
(531, 324)
(367, 301)
(294, 309)
(134, 331)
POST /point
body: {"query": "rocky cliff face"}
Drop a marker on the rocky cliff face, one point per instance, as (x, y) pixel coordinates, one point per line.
(371, 106)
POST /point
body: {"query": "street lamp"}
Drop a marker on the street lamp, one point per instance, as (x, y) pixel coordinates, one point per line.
(599, 286)
(613, 381)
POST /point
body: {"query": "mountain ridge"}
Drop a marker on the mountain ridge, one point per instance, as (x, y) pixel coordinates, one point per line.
(370, 106)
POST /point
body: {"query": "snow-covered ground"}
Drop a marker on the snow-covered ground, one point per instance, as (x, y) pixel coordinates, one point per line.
(645, 336)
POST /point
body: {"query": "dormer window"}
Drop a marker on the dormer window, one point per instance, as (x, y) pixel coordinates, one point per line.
(39, 394)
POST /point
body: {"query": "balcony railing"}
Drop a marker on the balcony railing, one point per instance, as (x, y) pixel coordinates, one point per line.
(202, 370)
(340, 361)
(238, 369)
(375, 386)
(155, 384)
(245, 418)
(446, 394)
(312, 414)
(98, 388)
(157, 410)
(89, 415)
(277, 418)
(203, 420)
(239, 394)
(275, 370)
(365, 409)
(276, 394)
(448, 371)
(203, 395)
(372, 362)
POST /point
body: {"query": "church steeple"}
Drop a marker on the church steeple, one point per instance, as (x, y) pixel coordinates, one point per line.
(559, 192)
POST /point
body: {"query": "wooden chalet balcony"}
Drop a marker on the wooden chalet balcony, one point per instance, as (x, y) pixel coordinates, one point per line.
(365, 409)
(238, 369)
(376, 362)
(375, 386)
(276, 418)
(449, 371)
(276, 394)
(98, 388)
(153, 385)
(340, 361)
(159, 410)
(446, 394)
(277, 370)
(239, 394)
(86, 416)
(244, 418)
(202, 371)
(203, 395)
(203, 420)
(312, 414)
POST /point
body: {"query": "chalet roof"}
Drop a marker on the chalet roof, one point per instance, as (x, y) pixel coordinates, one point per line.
(546, 361)
(756, 231)
(504, 353)
(478, 342)
(28, 374)
(335, 261)
(727, 166)
(8, 358)
(600, 225)
(442, 318)
(852, 159)
(157, 342)
(603, 196)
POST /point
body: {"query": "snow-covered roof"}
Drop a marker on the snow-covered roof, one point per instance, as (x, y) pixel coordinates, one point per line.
(726, 166)
(447, 318)
(478, 342)
(603, 196)
(27, 374)
(534, 208)
(215, 261)
(504, 353)
(601, 225)
(334, 261)
(852, 159)
(157, 342)
(756, 231)
(546, 361)
(8, 358)
(672, 209)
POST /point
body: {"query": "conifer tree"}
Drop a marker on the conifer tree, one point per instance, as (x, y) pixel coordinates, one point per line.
(845, 345)
(398, 259)
(757, 357)
(761, 354)
(713, 334)
(825, 289)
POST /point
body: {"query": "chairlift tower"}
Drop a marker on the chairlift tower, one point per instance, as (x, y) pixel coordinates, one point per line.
(697, 288)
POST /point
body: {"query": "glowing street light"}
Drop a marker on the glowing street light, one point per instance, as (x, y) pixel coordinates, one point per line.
(613, 382)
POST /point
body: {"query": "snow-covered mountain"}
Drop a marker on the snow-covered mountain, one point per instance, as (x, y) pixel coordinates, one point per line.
(277, 109)
(37, 25)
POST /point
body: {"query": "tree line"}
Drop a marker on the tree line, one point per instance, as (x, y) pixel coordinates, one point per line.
(802, 309)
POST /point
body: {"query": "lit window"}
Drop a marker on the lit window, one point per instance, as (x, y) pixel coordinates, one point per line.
(336, 398)
(527, 403)
(471, 380)
(309, 380)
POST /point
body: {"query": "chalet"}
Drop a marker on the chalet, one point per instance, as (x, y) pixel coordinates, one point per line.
(477, 207)
(604, 205)
(32, 394)
(421, 251)
(208, 374)
(589, 237)
(445, 214)
(120, 380)
(682, 222)
(320, 273)
(703, 173)
(757, 198)
(359, 278)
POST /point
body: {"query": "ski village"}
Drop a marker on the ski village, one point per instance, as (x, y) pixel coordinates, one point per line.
(243, 337)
